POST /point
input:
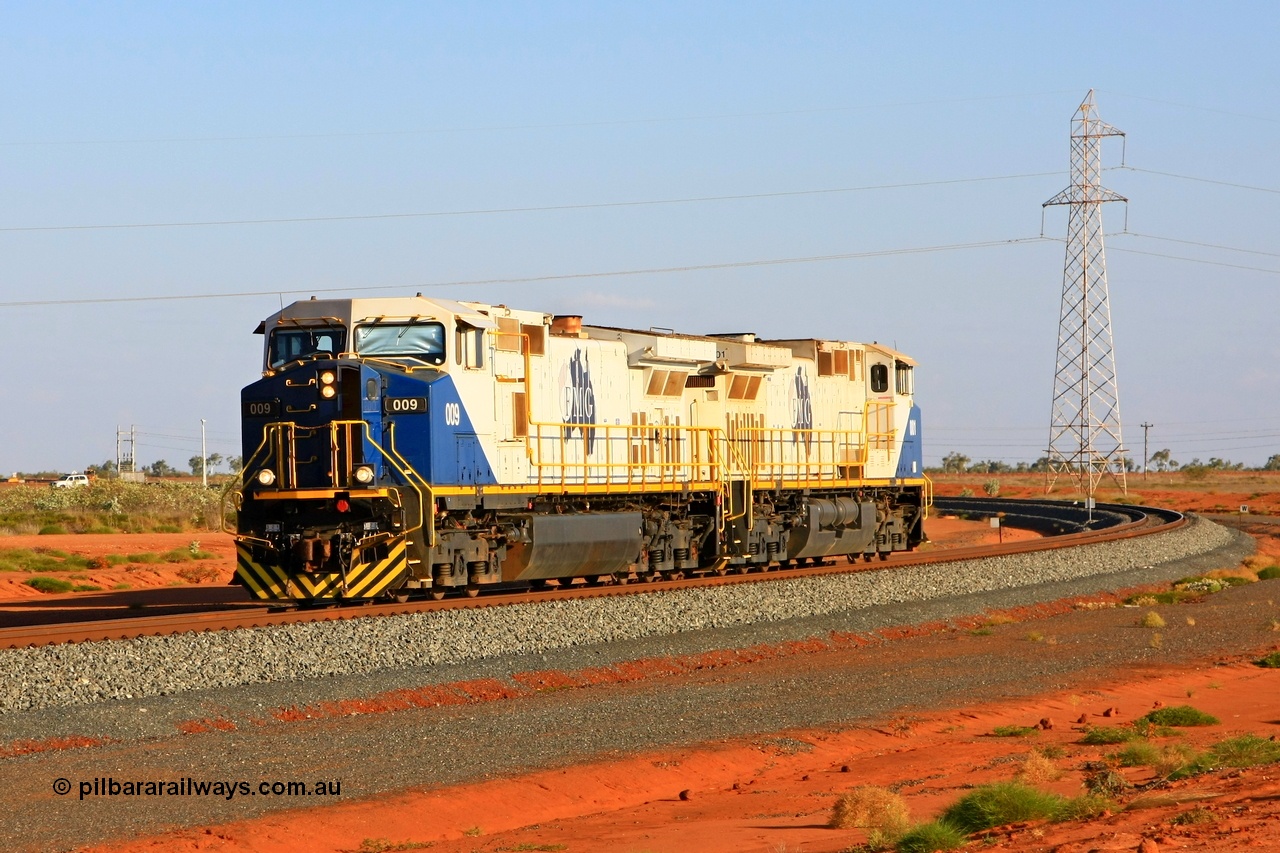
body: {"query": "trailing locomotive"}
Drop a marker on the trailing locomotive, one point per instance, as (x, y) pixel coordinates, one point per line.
(405, 444)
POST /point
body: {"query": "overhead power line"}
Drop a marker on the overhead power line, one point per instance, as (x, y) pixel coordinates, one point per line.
(1200, 180)
(487, 211)
(916, 250)
(1196, 243)
(1196, 260)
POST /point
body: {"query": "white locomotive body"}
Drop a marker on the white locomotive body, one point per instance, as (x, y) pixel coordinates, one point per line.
(400, 444)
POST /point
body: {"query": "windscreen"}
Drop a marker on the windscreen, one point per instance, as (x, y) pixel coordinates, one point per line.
(422, 341)
(288, 345)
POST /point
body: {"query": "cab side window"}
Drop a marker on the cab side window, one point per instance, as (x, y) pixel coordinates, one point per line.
(879, 378)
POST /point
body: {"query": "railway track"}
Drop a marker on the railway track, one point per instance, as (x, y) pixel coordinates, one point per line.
(1062, 525)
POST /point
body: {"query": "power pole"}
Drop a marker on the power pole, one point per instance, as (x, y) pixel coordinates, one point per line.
(1084, 433)
(204, 458)
(1145, 455)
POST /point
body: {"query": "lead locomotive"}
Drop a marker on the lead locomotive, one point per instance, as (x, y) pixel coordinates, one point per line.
(407, 444)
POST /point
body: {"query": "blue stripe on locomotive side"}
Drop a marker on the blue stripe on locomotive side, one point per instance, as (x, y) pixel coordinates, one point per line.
(911, 453)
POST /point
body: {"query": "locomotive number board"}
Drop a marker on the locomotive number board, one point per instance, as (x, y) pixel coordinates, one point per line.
(404, 405)
(261, 408)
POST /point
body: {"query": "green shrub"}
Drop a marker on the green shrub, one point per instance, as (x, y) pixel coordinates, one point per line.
(1271, 661)
(1086, 807)
(1247, 750)
(85, 587)
(1015, 731)
(1001, 803)
(1270, 573)
(1108, 735)
(50, 585)
(39, 560)
(1197, 815)
(1180, 715)
(1138, 754)
(931, 837)
(112, 505)
(52, 530)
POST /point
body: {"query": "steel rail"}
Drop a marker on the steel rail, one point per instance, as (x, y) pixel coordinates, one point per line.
(1141, 521)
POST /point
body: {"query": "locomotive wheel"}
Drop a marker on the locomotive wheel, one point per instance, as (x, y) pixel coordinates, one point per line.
(472, 590)
(884, 555)
(436, 593)
(565, 583)
(651, 577)
(400, 597)
(595, 580)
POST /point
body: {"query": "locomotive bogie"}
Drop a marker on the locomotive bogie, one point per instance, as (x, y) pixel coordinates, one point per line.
(470, 444)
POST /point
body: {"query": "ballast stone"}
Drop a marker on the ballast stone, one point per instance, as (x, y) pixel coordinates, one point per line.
(151, 666)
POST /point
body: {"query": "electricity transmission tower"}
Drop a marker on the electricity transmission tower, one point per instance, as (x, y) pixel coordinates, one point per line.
(1084, 434)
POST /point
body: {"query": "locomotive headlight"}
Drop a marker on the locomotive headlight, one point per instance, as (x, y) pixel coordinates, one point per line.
(266, 477)
(327, 377)
(363, 474)
(327, 391)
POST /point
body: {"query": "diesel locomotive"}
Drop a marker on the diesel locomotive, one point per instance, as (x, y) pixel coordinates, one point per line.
(402, 445)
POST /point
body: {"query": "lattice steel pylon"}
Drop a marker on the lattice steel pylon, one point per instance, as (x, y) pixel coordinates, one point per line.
(1084, 434)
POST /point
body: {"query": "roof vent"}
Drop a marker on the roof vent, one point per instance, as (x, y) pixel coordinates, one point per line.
(566, 324)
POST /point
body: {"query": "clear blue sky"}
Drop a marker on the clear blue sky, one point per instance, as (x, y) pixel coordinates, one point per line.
(155, 113)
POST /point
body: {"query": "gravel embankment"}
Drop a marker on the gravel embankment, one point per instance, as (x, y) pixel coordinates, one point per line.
(154, 666)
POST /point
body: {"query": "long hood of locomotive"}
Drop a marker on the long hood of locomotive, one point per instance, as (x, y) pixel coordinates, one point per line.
(418, 418)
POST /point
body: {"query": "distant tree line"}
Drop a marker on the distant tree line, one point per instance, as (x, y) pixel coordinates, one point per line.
(1160, 461)
(161, 468)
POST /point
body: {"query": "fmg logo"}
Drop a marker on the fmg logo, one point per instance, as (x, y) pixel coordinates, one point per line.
(801, 406)
(578, 403)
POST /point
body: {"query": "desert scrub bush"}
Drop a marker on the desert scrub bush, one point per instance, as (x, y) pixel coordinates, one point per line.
(1271, 661)
(114, 504)
(199, 574)
(54, 585)
(1189, 818)
(1246, 750)
(39, 560)
(1000, 803)
(183, 555)
(1153, 620)
(882, 813)
(1182, 716)
(1270, 573)
(991, 487)
(930, 837)
(1109, 735)
(1139, 753)
(1038, 767)
(1015, 731)
(1086, 807)
(1105, 782)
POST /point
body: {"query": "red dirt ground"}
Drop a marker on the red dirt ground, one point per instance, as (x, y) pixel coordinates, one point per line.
(776, 793)
(214, 572)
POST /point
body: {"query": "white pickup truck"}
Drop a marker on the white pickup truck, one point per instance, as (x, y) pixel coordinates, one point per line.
(69, 481)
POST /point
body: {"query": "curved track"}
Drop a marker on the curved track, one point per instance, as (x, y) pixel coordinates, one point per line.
(1063, 525)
